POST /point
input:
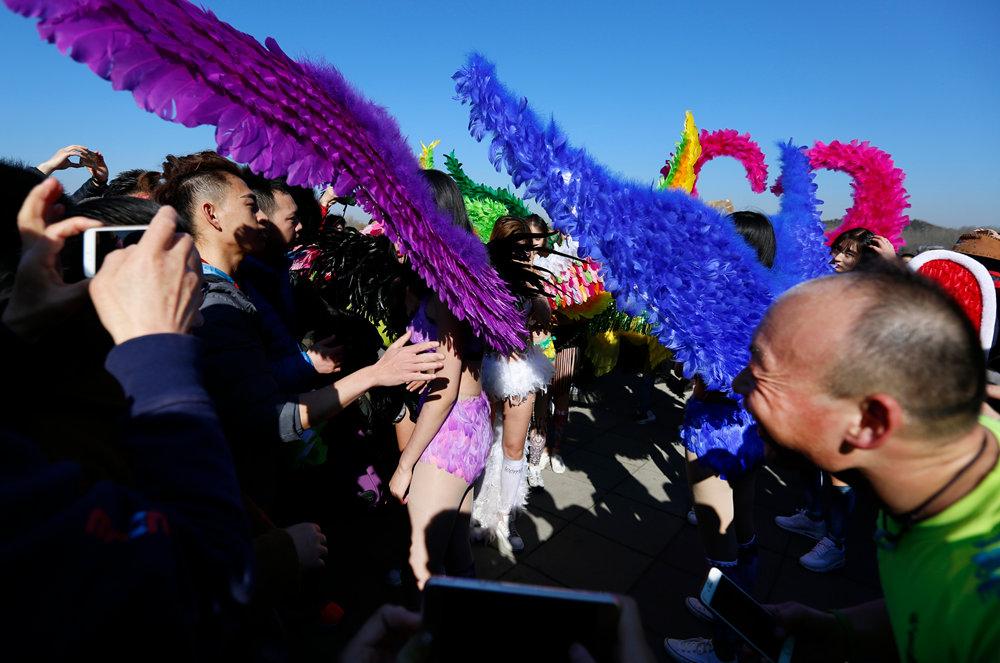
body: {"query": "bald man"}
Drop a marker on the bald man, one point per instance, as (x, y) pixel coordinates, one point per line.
(881, 376)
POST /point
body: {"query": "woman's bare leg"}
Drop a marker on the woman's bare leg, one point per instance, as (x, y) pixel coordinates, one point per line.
(434, 503)
(516, 420)
(713, 504)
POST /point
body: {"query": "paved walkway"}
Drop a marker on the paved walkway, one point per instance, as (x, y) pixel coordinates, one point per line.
(615, 521)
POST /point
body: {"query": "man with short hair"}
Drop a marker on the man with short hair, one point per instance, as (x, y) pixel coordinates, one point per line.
(881, 376)
(258, 414)
(264, 277)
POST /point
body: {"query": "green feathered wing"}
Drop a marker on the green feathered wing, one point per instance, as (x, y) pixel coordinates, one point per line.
(483, 203)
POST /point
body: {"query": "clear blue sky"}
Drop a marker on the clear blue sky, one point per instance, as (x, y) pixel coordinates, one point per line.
(919, 79)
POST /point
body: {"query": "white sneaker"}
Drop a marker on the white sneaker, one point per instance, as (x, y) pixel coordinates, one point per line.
(535, 479)
(692, 517)
(695, 650)
(558, 466)
(825, 556)
(801, 523)
(699, 610)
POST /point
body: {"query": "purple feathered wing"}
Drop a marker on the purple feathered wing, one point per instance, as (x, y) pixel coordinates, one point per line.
(283, 118)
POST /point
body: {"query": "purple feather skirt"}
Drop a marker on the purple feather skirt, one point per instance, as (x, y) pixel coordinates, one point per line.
(462, 444)
(724, 437)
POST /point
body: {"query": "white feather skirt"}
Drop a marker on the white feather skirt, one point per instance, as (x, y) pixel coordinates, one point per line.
(518, 377)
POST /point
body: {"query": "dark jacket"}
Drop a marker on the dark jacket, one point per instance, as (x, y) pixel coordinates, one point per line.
(257, 415)
(270, 291)
(112, 572)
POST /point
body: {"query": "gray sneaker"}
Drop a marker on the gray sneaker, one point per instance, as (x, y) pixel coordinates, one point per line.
(824, 557)
(693, 650)
(801, 523)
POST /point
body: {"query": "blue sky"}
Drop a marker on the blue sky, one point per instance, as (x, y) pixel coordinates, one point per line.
(918, 79)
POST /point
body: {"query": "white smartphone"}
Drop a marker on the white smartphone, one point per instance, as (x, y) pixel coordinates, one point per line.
(745, 616)
(99, 242)
(459, 614)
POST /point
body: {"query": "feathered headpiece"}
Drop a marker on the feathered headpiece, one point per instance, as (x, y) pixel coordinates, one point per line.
(663, 252)
(427, 154)
(679, 173)
(879, 195)
(483, 203)
(284, 118)
(722, 143)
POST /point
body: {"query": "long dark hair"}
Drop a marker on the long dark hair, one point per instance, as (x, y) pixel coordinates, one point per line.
(756, 230)
(448, 197)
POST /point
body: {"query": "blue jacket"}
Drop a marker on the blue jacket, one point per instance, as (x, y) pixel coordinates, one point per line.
(112, 572)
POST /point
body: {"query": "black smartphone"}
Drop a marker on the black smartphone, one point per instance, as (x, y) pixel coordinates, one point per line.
(478, 620)
(746, 617)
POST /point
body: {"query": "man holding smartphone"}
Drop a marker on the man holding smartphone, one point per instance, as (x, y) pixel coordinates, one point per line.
(909, 425)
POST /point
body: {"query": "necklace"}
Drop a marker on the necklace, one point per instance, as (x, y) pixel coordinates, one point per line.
(888, 540)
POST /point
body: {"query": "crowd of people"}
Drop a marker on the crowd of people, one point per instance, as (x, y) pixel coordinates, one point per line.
(209, 455)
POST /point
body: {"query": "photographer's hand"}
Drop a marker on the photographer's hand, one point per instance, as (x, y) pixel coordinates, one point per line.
(632, 645)
(40, 297)
(61, 159)
(382, 636)
(153, 287)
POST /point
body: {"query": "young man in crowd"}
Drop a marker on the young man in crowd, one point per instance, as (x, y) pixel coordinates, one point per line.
(909, 425)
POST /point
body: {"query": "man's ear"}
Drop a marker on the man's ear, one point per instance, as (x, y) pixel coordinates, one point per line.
(208, 214)
(879, 417)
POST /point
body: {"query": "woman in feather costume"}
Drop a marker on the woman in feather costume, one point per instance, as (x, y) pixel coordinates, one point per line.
(512, 382)
(447, 448)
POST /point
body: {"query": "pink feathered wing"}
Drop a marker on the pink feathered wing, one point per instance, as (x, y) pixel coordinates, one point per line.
(879, 195)
(731, 143)
(283, 118)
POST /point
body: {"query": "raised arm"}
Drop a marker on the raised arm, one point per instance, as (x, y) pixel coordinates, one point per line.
(401, 363)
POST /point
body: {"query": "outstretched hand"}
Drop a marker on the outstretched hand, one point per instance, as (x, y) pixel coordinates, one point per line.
(403, 363)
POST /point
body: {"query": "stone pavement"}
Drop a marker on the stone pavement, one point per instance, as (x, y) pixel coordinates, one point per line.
(615, 521)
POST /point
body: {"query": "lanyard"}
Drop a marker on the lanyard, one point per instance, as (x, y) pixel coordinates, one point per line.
(215, 271)
(888, 540)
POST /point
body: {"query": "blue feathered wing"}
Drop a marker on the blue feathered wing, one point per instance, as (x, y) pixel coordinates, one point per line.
(663, 253)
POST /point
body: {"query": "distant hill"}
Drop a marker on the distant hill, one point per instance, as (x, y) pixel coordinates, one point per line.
(923, 234)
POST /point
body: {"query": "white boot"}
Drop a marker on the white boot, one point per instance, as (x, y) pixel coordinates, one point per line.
(535, 479)
(506, 538)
